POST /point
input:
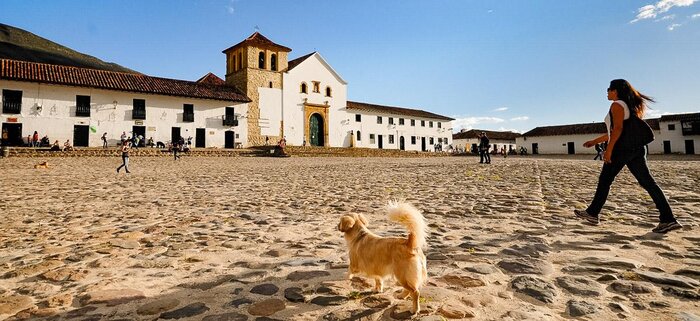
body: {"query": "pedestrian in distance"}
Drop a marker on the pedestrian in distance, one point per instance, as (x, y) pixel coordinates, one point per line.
(125, 157)
(626, 149)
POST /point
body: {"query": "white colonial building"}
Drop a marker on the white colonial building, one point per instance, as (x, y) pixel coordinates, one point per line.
(678, 133)
(80, 105)
(305, 100)
(265, 97)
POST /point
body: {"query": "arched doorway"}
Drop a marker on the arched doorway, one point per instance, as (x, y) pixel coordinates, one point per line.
(402, 145)
(316, 130)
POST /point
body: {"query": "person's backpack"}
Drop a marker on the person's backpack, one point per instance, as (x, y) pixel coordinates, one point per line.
(635, 132)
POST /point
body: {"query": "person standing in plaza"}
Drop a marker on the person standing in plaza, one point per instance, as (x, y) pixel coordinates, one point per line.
(125, 157)
(627, 103)
(484, 146)
(35, 139)
(104, 140)
(599, 152)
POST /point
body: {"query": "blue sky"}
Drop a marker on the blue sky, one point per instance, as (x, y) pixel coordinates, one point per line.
(500, 65)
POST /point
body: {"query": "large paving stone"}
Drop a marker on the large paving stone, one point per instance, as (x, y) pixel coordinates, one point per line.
(631, 287)
(265, 289)
(12, 304)
(267, 307)
(186, 311)
(306, 275)
(461, 281)
(231, 316)
(537, 267)
(534, 287)
(580, 286)
(612, 262)
(668, 279)
(158, 306)
(577, 308)
(112, 297)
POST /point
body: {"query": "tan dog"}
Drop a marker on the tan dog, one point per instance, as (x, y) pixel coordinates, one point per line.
(42, 165)
(378, 257)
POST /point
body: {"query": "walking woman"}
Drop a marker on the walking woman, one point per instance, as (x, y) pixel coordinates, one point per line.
(627, 102)
(125, 157)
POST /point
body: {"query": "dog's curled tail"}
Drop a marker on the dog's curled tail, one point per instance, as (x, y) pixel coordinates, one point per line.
(412, 219)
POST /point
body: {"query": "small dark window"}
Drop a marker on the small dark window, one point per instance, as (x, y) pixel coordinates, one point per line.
(240, 61)
(391, 120)
(358, 136)
(82, 106)
(270, 84)
(230, 118)
(273, 63)
(317, 87)
(261, 60)
(413, 122)
(371, 138)
(391, 139)
(303, 88)
(358, 118)
(422, 123)
(379, 119)
(188, 113)
(439, 125)
(139, 111)
(400, 121)
(671, 126)
(233, 65)
(439, 140)
(430, 124)
(432, 141)
(328, 92)
(413, 140)
(11, 101)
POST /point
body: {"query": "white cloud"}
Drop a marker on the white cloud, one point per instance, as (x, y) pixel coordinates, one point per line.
(501, 109)
(229, 7)
(668, 17)
(673, 26)
(520, 118)
(651, 11)
(654, 113)
(503, 129)
(471, 122)
(695, 16)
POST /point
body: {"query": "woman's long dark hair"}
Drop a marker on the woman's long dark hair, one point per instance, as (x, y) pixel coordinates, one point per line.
(636, 101)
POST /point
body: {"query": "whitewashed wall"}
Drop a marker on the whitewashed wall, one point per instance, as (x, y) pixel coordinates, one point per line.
(270, 111)
(558, 144)
(57, 117)
(315, 69)
(676, 138)
(368, 125)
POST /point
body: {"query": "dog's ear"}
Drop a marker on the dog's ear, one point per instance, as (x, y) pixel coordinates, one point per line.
(363, 219)
(346, 223)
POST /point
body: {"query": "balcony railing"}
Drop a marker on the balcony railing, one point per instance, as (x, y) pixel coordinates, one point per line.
(138, 114)
(82, 111)
(188, 117)
(230, 121)
(11, 108)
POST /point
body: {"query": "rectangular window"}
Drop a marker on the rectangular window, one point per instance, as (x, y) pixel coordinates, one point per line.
(432, 141)
(82, 106)
(400, 121)
(188, 113)
(317, 86)
(139, 111)
(413, 140)
(413, 122)
(430, 124)
(359, 137)
(371, 138)
(439, 140)
(439, 125)
(671, 126)
(391, 120)
(379, 119)
(11, 101)
(391, 139)
(422, 123)
(230, 119)
(358, 118)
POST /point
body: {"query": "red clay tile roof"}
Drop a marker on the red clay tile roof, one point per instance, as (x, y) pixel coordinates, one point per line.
(474, 133)
(211, 79)
(112, 80)
(259, 41)
(580, 129)
(352, 105)
(293, 63)
(681, 117)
